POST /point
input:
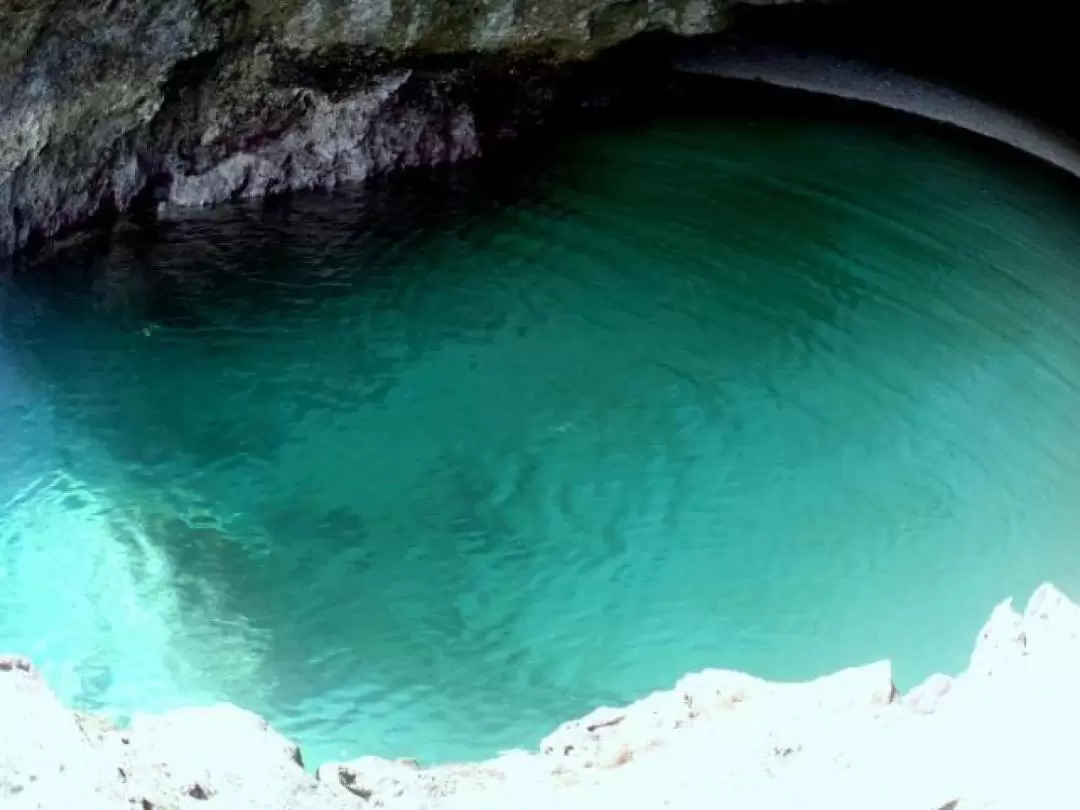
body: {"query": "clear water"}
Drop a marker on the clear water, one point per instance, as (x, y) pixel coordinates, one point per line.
(426, 470)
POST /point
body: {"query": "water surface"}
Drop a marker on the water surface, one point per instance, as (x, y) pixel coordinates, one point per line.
(425, 470)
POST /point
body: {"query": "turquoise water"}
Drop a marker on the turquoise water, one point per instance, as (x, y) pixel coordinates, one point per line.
(426, 470)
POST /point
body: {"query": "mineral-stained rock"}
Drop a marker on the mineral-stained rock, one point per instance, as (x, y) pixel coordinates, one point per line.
(106, 104)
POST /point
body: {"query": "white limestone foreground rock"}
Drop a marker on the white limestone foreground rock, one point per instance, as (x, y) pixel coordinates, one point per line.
(222, 756)
(999, 736)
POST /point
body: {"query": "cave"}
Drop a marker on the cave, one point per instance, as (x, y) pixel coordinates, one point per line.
(417, 376)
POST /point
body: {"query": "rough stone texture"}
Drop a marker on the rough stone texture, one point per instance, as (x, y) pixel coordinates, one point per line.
(999, 736)
(106, 104)
(214, 757)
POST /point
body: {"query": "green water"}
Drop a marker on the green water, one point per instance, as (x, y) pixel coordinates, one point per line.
(426, 470)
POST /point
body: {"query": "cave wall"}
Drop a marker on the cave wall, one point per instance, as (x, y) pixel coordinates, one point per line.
(111, 106)
(1021, 57)
(108, 105)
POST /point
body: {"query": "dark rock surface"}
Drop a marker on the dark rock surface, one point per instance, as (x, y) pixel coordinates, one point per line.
(107, 105)
(828, 74)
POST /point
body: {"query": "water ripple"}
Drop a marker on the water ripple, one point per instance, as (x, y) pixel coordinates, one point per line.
(422, 470)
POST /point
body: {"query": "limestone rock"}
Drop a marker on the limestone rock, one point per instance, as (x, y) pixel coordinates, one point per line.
(372, 778)
(47, 759)
(1002, 641)
(55, 759)
(846, 741)
(221, 756)
(928, 696)
(995, 737)
(389, 783)
(854, 687)
(1051, 620)
(165, 103)
(611, 737)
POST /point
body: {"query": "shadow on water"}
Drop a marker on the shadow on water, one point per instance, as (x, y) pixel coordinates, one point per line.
(204, 265)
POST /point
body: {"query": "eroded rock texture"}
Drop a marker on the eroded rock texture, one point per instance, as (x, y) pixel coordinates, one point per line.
(105, 104)
(54, 759)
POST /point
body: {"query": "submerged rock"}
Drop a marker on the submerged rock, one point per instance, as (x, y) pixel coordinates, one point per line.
(996, 736)
(109, 105)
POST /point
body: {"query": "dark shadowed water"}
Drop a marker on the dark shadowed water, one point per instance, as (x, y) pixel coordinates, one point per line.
(425, 470)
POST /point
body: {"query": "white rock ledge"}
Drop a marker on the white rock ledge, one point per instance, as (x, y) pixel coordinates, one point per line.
(1000, 736)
